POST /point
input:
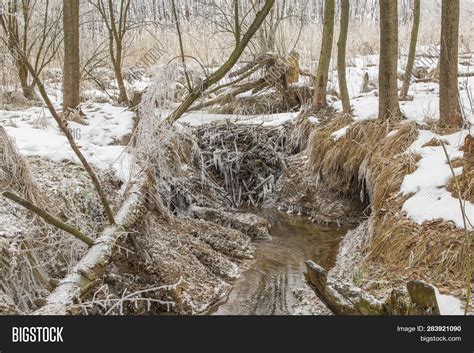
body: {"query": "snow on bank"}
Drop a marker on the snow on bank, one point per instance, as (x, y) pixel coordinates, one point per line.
(267, 120)
(36, 134)
(448, 305)
(431, 200)
(425, 103)
(200, 118)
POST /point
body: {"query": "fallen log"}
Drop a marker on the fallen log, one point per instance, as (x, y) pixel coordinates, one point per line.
(419, 298)
(91, 267)
(341, 298)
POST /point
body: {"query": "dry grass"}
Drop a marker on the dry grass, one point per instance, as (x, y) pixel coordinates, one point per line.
(15, 172)
(370, 157)
(370, 161)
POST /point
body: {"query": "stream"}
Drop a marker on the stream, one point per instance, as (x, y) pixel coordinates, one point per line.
(267, 287)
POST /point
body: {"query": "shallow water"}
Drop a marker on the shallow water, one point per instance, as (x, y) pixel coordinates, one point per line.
(277, 270)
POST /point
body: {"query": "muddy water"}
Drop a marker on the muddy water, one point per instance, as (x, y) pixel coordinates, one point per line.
(267, 288)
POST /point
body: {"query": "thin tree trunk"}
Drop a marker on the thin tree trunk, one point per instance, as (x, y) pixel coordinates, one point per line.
(450, 109)
(28, 91)
(468, 170)
(341, 56)
(325, 57)
(72, 71)
(389, 107)
(181, 45)
(123, 96)
(412, 52)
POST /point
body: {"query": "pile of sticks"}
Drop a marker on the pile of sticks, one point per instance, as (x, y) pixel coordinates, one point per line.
(245, 160)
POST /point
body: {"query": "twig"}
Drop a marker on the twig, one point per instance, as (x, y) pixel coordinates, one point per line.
(466, 232)
(48, 218)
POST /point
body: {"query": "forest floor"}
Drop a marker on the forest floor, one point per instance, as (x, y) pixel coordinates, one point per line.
(411, 225)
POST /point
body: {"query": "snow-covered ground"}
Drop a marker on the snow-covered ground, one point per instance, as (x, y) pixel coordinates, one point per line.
(431, 200)
(448, 305)
(37, 134)
(425, 103)
(270, 120)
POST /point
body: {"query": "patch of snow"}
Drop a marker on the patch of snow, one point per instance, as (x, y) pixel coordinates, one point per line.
(339, 134)
(430, 199)
(448, 305)
(425, 103)
(392, 133)
(313, 120)
(37, 134)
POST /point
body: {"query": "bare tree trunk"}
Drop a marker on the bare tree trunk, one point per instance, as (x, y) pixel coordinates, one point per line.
(181, 45)
(341, 56)
(72, 70)
(389, 107)
(468, 170)
(412, 52)
(28, 91)
(117, 63)
(325, 57)
(117, 24)
(449, 107)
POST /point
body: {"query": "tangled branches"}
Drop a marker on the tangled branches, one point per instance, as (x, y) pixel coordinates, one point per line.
(245, 159)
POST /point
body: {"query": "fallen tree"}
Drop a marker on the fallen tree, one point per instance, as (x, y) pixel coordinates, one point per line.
(341, 298)
(88, 271)
(226, 67)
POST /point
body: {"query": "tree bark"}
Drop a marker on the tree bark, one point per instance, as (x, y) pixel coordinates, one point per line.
(450, 109)
(72, 70)
(325, 57)
(412, 51)
(389, 108)
(117, 63)
(341, 56)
